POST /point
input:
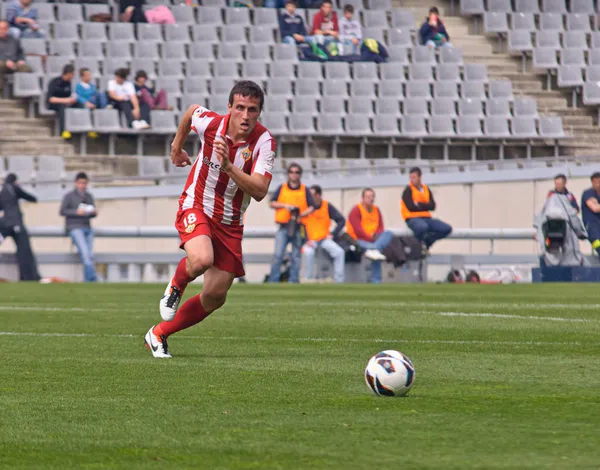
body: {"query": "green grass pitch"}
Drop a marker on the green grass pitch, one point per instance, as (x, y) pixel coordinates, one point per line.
(508, 377)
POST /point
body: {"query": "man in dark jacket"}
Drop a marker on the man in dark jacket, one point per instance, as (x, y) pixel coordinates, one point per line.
(291, 25)
(11, 225)
(78, 208)
(12, 58)
(560, 187)
(60, 96)
(433, 32)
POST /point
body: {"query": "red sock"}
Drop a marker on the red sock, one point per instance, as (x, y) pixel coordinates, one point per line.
(190, 313)
(181, 277)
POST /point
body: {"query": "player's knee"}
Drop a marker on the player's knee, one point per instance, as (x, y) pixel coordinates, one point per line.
(214, 298)
(199, 264)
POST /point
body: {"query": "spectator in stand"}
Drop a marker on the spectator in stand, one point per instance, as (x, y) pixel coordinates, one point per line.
(291, 201)
(60, 96)
(88, 95)
(23, 20)
(122, 96)
(12, 225)
(433, 32)
(318, 233)
(12, 58)
(560, 187)
(78, 209)
(291, 25)
(131, 11)
(350, 32)
(365, 225)
(590, 212)
(149, 99)
(416, 206)
(325, 24)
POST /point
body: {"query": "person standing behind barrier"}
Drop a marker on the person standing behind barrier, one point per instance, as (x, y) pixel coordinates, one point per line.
(590, 212)
(318, 225)
(416, 206)
(365, 225)
(291, 201)
(78, 208)
(560, 187)
(12, 225)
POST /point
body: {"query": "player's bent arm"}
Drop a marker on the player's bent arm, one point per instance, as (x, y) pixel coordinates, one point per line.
(593, 204)
(256, 185)
(184, 128)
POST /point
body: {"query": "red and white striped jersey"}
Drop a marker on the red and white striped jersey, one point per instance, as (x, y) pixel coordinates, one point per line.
(211, 189)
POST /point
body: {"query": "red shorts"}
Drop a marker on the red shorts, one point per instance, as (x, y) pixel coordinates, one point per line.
(226, 240)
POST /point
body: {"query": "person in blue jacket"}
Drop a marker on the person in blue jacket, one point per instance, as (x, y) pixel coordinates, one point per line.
(291, 25)
(87, 94)
(433, 32)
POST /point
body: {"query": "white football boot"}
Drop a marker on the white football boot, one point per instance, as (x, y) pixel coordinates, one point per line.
(170, 302)
(157, 344)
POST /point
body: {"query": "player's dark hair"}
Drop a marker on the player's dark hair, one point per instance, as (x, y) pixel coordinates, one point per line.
(247, 89)
(415, 169)
(317, 189)
(366, 190)
(81, 176)
(348, 8)
(595, 175)
(122, 73)
(83, 70)
(560, 176)
(69, 68)
(295, 165)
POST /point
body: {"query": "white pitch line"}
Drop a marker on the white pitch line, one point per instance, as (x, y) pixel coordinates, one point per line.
(504, 315)
(310, 340)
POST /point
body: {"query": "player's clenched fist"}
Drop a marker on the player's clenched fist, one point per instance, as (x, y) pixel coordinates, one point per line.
(222, 151)
(179, 157)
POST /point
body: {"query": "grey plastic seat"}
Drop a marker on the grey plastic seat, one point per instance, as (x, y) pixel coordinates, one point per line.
(415, 107)
(238, 16)
(499, 6)
(262, 34)
(363, 88)
(106, 121)
(163, 122)
(573, 57)
(551, 22)
(591, 93)
(525, 107)
(418, 90)
(265, 17)
(582, 6)
(592, 73)
(575, 39)
(420, 72)
(121, 32)
(551, 127)
(385, 5)
(217, 102)
(476, 73)
(333, 105)
(189, 99)
(233, 35)
(26, 85)
(470, 107)
(183, 14)
(358, 124)
(414, 127)
(45, 11)
(151, 166)
(94, 9)
(302, 124)
(222, 86)
(501, 89)
(385, 125)
(593, 56)
(499, 107)
(387, 106)
(285, 52)
(520, 41)
(360, 105)
(523, 22)
(201, 51)
(35, 62)
(198, 85)
(170, 68)
(374, 32)
(210, 15)
(34, 46)
(335, 88)
(441, 126)
(226, 69)
(468, 127)
(548, 39)
(277, 104)
(94, 31)
(495, 23)
(170, 84)
(524, 127)
(400, 37)
(149, 32)
(527, 6)
(22, 165)
(50, 168)
(275, 122)
(282, 70)
(451, 55)
(204, 36)
(423, 55)
(109, 65)
(305, 105)
(55, 64)
(544, 58)
(364, 70)
(554, 6)
(174, 50)
(337, 71)
(148, 65)
(595, 39)
(375, 19)
(443, 107)
(496, 127)
(308, 87)
(148, 50)
(312, 70)
(474, 90)
(392, 71)
(213, 3)
(391, 88)
(177, 33)
(578, 22)
(66, 12)
(255, 71)
(471, 7)
(403, 18)
(78, 120)
(88, 62)
(328, 124)
(279, 87)
(116, 49)
(445, 89)
(398, 55)
(66, 31)
(90, 48)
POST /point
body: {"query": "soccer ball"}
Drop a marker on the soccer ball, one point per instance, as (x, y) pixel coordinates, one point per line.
(390, 373)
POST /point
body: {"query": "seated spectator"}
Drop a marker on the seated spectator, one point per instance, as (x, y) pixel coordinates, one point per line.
(318, 233)
(131, 11)
(87, 94)
(325, 24)
(23, 20)
(350, 32)
(365, 225)
(291, 25)
(560, 187)
(147, 96)
(122, 96)
(590, 212)
(12, 58)
(433, 32)
(60, 97)
(416, 206)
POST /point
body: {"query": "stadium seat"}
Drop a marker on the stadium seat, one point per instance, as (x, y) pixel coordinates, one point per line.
(174, 50)
(34, 46)
(524, 127)
(26, 85)
(418, 90)
(470, 107)
(335, 88)
(592, 73)
(275, 122)
(573, 57)
(115, 49)
(582, 6)
(35, 62)
(551, 22)
(283, 70)
(333, 105)
(451, 55)
(337, 71)
(22, 165)
(591, 93)
(414, 127)
(385, 5)
(360, 105)
(233, 35)
(415, 107)
(448, 72)
(525, 107)
(576, 39)
(569, 76)
(183, 14)
(163, 122)
(302, 124)
(94, 9)
(285, 52)
(498, 107)
(385, 125)
(78, 120)
(328, 124)
(217, 102)
(551, 127)
(222, 86)
(398, 55)
(496, 127)
(201, 51)
(364, 71)
(148, 50)
(443, 107)
(277, 104)
(237, 16)
(121, 32)
(265, 17)
(499, 6)
(149, 32)
(473, 90)
(548, 39)
(495, 23)
(94, 31)
(45, 12)
(91, 49)
(445, 89)
(199, 85)
(55, 64)
(50, 168)
(501, 89)
(255, 71)
(226, 69)
(204, 36)
(387, 106)
(399, 37)
(523, 22)
(392, 71)
(110, 65)
(391, 88)
(170, 68)
(262, 34)
(476, 73)
(189, 99)
(403, 18)
(69, 12)
(358, 124)
(259, 51)
(423, 55)
(177, 33)
(210, 15)
(441, 126)
(468, 127)
(148, 65)
(88, 62)
(544, 58)
(305, 105)
(593, 56)
(420, 72)
(375, 19)
(578, 22)
(363, 88)
(527, 6)
(520, 41)
(308, 87)
(213, 3)
(554, 6)
(279, 87)
(66, 31)
(153, 167)
(170, 84)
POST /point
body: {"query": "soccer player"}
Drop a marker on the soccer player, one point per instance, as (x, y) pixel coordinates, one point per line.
(235, 165)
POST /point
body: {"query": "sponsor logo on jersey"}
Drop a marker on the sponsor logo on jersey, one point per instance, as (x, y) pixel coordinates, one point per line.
(211, 165)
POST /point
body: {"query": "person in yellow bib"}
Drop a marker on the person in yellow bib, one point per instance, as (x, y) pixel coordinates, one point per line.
(292, 202)
(319, 234)
(416, 206)
(365, 225)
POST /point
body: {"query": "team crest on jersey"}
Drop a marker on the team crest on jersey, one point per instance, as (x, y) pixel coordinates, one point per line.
(246, 154)
(190, 228)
